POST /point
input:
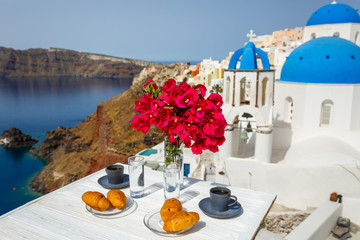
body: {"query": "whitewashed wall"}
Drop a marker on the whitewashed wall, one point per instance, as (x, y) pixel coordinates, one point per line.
(346, 30)
(296, 186)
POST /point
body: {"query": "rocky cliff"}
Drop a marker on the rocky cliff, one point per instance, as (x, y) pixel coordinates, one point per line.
(15, 138)
(62, 62)
(103, 138)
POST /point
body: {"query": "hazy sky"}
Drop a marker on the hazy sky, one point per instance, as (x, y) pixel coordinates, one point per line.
(159, 30)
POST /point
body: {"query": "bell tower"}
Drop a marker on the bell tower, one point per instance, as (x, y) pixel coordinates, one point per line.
(248, 103)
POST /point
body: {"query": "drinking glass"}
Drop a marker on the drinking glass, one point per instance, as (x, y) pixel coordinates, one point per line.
(136, 176)
(171, 181)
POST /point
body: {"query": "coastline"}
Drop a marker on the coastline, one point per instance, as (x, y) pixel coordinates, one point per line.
(36, 107)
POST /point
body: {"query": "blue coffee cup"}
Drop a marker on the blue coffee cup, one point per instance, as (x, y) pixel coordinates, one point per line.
(220, 198)
(115, 174)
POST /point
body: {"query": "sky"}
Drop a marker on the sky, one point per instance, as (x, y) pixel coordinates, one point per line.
(156, 30)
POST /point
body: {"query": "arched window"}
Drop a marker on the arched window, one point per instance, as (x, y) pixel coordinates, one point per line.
(288, 110)
(244, 92)
(357, 39)
(313, 36)
(265, 92)
(326, 113)
(227, 90)
(336, 34)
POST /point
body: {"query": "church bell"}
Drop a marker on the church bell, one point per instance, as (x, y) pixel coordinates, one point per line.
(248, 127)
(244, 135)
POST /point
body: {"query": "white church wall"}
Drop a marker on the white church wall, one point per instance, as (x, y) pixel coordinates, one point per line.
(248, 76)
(264, 115)
(295, 186)
(328, 30)
(296, 92)
(351, 209)
(306, 113)
(355, 33)
(340, 95)
(266, 83)
(355, 110)
(279, 60)
(263, 147)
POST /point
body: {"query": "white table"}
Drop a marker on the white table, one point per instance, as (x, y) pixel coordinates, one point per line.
(62, 215)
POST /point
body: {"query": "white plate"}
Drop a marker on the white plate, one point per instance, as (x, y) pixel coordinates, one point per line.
(111, 211)
(153, 221)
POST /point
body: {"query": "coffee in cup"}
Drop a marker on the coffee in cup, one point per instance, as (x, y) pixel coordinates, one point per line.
(115, 174)
(220, 198)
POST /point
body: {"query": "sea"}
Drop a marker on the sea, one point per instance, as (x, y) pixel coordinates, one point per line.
(35, 106)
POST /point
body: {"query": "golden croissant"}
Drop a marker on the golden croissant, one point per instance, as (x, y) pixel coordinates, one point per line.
(180, 221)
(170, 207)
(117, 198)
(96, 200)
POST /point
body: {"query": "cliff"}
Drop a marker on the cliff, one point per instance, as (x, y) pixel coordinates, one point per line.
(63, 62)
(103, 138)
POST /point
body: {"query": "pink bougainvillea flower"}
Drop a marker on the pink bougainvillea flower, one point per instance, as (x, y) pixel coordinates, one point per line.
(169, 92)
(209, 129)
(213, 148)
(172, 138)
(210, 141)
(219, 132)
(169, 85)
(198, 111)
(175, 126)
(143, 106)
(183, 113)
(201, 90)
(216, 100)
(140, 123)
(187, 99)
(220, 140)
(197, 148)
(185, 136)
(162, 119)
(156, 104)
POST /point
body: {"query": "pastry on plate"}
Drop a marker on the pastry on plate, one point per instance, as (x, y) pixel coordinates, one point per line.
(96, 200)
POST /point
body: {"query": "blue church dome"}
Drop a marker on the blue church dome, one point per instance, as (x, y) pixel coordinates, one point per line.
(329, 60)
(334, 13)
(248, 58)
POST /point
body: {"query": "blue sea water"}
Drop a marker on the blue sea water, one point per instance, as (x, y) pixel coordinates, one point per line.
(35, 106)
(192, 62)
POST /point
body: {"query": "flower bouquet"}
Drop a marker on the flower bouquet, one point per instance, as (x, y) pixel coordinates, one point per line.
(184, 114)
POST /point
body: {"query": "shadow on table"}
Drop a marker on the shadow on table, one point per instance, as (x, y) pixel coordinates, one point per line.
(189, 181)
(153, 188)
(120, 214)
(188, 195)
(198, 226)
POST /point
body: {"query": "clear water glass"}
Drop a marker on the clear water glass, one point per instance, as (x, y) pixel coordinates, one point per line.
(136, 176)
(172, 181)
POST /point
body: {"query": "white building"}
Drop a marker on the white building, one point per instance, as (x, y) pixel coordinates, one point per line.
(250, 90)
(333, 20)
(311, 116)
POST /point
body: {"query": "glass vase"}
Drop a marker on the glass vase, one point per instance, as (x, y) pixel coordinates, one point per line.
(173, 153)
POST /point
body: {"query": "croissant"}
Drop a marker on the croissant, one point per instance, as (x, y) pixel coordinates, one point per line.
(170, 207)
(117, 198)
(96, 200)
(181, 221)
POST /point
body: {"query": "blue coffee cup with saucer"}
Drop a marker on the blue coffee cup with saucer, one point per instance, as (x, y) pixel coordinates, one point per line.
(115, 177)
(221, 204)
